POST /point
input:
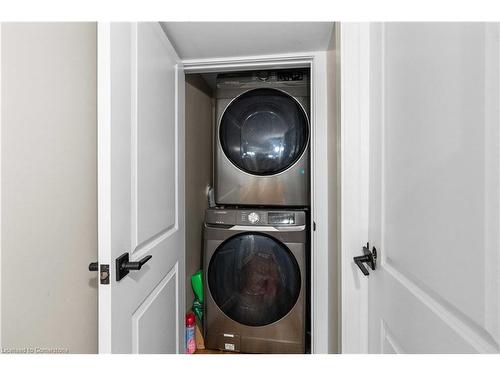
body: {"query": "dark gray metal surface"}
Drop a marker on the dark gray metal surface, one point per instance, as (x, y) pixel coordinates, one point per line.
(234, 186)
(287, 335)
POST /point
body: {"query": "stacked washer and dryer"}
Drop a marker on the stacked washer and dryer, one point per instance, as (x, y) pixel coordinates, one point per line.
(256, 238)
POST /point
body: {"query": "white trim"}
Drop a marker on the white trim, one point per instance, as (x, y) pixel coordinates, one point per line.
(492, 178)
(355, 90)
(180, 208)
(319, 169)
(320, 313)
(134, 189)
(1, 25)
(296, 60)
(104, 179)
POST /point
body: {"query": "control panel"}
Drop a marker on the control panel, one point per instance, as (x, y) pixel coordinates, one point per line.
(254, 217)
(288, 77)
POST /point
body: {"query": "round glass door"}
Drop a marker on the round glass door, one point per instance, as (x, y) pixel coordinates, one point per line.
(254, 279)
(264, 131)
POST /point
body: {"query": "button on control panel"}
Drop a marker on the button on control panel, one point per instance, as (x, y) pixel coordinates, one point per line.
(253, 217)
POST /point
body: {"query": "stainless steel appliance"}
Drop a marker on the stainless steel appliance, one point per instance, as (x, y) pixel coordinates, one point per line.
(255, 280)
(262, 138)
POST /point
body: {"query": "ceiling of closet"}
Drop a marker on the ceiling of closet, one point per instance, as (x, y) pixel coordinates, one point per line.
(201, 40)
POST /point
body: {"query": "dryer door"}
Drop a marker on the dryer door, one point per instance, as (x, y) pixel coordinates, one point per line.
(254, 279)
(264, 131)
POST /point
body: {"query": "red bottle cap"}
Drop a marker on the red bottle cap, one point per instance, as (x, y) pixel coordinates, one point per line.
(190, 319)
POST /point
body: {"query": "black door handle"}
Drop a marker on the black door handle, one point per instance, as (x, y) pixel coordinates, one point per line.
(136, 266)
(369, 257)
(123, 266)
(94, 266)
(359, 262)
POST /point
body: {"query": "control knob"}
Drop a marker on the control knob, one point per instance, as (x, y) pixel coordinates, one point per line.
(253, 217)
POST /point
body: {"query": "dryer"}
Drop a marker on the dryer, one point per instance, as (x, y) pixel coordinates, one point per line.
(262, 138)
(255, 280)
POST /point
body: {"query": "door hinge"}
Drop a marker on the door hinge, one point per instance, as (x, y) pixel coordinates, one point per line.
(104, 274)
(314, 226)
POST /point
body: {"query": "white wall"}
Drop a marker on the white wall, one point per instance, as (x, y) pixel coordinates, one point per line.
(48, 186)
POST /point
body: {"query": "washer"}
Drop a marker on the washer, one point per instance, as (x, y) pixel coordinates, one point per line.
(262, 138)
(255, 280)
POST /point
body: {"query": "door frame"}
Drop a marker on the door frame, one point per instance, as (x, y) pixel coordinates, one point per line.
(103, 177)
(356, 54)
(1, 25)
(316, 61)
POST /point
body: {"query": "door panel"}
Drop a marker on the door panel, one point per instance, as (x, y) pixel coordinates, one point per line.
(152, 323)
(434, 188)
(141, 186)
(154, 141)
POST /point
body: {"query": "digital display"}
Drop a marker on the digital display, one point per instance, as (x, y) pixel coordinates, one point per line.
(281, 218)
(290, 76)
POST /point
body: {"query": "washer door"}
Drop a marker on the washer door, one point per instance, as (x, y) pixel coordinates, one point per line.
(254, 279)
(264, 131)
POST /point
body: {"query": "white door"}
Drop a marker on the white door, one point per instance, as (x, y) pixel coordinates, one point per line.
(141, 189)
(434, 188)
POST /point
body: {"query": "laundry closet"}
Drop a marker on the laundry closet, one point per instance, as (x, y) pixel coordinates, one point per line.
(247, 145)
(219, 151)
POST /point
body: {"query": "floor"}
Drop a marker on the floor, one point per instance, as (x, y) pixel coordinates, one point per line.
(210, 351)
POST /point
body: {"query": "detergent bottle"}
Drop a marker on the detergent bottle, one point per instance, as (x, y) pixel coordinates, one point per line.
(190, 329)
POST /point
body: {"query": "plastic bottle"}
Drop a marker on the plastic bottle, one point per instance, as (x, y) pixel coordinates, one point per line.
(190, 328)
